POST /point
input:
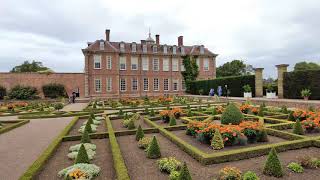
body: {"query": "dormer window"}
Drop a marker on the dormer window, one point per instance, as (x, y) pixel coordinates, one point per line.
(101, 45)
(134, 47)
(182, 50)
(144, 48)
(155, 49)
(201, 50)
(122, 47)
(165, 49)
(174, 50)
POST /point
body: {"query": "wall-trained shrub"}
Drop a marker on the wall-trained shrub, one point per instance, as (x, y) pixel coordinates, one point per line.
(3, 92)
(53, 90)
(234, 83)
(23, 93)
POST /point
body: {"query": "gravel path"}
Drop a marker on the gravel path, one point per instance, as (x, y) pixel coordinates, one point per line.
(75, 107)
(20, 147)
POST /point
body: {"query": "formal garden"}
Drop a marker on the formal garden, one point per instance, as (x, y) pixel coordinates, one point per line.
(184, 138)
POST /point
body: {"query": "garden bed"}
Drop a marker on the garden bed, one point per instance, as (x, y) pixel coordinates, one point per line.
(161, 123)
(117, 124)
(59, 160)
(74, 131)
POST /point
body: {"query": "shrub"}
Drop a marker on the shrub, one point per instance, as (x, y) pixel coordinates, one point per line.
(184, 173)
(85, 137)
(89, 169)
(3, 92)
(249, 175)
(172, 121)
(169, 164)
(131, 124)
(232, 115)
(284, 109)
(246, 88)
(23, 93)
(120, 112)
(305, 93)
(297, 128)
(58, 106)
(174, 175)
(144, 142)
(228, 173)
(139, 133)
(153, 150)
(273, 165)
(309, 162)
(53, 90)
(291, 117)
(262, 136)
(295, 167)
(217, 141)
(82, 156)
(214, 111)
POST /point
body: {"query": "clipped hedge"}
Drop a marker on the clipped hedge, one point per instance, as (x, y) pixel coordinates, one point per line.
(23, 93)
(53, 90)
(235, 84)
(13, 126)
(294, 82)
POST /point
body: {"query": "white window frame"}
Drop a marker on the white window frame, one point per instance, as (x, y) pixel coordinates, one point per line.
(96, 60)
(145, 84)
(144, 48)
(97, 86)
(101, 45)
(123, 61)
(165, 64)
(156, 84)
(173, 85)
(165, 49)
(122, 47)
(166, 84)
(121, 85)
(109, 62)
(206, 64)
(132, 84)
(174, 50)
(175, 64)
(182, 50)
(134, 61)
(182, 68)
(155, 64)
(134, 47)
(109, 84)
(145, 64)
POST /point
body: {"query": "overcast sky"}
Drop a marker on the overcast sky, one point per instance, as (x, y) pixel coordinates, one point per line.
(262, 33)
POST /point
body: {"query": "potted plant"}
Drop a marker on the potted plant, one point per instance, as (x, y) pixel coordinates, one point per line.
(247, 93)
(270, 92)
(305, 93)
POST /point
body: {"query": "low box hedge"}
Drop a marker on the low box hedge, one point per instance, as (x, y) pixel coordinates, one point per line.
(14, 125)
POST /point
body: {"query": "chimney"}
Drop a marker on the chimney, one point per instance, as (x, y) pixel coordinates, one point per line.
(107, 34)
(180, 41)
(157, 39)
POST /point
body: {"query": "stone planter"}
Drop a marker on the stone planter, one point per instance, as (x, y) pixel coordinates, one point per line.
(306, 98)
(271, 95)
(247, 94)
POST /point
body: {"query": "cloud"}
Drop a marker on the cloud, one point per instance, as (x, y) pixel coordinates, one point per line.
(261, 32)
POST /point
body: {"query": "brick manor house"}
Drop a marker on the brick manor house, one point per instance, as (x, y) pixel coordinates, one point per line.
(122, 69)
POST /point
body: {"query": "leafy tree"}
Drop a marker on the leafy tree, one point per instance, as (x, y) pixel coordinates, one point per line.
(303, 66)
(191, 70)
(233, 68)
(26, 66)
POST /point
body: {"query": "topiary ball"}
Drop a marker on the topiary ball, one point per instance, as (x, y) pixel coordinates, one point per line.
(232, 115)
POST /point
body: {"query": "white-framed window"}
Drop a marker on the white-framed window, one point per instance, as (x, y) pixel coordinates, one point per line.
(198, 63)
(122, 49)
(156, 84)
(175, 64)
(145, 84)
(206, 64)
(174, 50)
(123, 63)
(123, 85)
(182, 66)
(134, 47)
(165, 49)
(165, 64)
(144, 48)
(145, 64)
(97, 85)
(155, 64)
(166, 84)
(109, 84)
(97, 62)
(109, 62)
(134, 84)
(155, 49)
(175, 85)
(201, 50)
(134, 63)
(182, 50)
(183, 84)
(101, 45)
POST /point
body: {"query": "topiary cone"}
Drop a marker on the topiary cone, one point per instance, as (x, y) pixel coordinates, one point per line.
(184, 173)
(152, 113)
(82, 156)
(291, 117)
(139, 133)
(85, 137)
(90, 120)
(88, 128)
(153, 150)
(92, 115)
(232, 115)
(131, 125)
(172, 121)
(273, 165)
(297, 128)
(217, 141)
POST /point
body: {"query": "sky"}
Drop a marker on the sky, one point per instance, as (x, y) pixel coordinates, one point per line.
(262, 33)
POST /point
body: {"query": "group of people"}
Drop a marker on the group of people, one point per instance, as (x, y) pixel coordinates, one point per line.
(219, 91)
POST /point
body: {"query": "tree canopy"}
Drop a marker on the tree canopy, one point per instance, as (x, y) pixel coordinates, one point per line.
(234, 68)
(34, 66)
(303, 66)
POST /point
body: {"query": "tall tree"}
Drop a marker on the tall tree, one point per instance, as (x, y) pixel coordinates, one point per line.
(303, 66)
(233, 68)
(191, 70)
(26, 66)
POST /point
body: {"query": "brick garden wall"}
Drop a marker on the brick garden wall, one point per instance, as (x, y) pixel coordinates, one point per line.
(71, 81)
